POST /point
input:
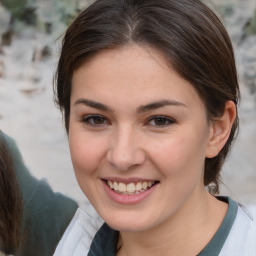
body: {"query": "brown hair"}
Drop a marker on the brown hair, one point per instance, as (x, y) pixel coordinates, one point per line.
(187, 32)
(11, 203)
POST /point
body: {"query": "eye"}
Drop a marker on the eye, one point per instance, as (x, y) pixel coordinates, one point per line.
(95, 120)
(160, 121)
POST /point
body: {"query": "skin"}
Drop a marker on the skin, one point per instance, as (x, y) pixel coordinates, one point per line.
(126, 142)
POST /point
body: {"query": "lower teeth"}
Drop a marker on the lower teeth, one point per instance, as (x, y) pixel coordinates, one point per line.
(130, 193)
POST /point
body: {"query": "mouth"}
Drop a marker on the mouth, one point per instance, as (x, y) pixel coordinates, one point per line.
(132, 188)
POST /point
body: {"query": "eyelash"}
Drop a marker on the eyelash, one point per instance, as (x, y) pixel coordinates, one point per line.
(89, 118)
(168, 121)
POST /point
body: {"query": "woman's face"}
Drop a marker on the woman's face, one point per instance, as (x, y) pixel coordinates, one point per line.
(138, 138)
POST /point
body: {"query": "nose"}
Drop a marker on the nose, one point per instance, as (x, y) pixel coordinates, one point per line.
(125, 151)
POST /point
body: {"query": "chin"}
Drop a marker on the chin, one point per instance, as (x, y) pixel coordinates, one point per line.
(127, 223)
(127, 227)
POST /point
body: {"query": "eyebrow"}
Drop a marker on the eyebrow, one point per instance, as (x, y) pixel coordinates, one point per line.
(159, 104)
(140, 109)
(93, 104)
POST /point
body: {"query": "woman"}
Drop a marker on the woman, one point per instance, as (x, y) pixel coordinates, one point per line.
(11, 203)
(33, 217)
(149, 94)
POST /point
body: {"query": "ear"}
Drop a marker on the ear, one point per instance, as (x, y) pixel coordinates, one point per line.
(220, 130)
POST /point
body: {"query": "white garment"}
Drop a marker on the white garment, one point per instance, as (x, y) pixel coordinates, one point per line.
(242, 237)
(78, 237)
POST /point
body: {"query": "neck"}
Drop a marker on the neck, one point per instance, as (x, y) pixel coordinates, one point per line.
(186, 233)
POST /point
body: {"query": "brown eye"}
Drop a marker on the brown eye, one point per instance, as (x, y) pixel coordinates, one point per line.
(95, 120)
(160, 121)
(98, 120)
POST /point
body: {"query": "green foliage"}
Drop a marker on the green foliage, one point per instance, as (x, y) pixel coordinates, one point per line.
(15, 7)
(251, 27)
(45, 15)
(225, 10)
(66, 10)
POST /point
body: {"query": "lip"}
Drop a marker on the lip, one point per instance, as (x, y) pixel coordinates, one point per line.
(128, 199)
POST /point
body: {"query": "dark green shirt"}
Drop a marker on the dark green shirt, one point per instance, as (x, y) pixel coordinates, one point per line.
(45, 214)
(105, 240)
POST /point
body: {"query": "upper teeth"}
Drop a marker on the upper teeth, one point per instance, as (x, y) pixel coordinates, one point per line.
(131, 188)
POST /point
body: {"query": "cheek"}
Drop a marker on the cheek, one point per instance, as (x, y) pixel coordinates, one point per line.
(86, 152)
(180, 155)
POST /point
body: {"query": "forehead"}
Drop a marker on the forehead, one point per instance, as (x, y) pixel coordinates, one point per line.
(130, 73)
(130, 59)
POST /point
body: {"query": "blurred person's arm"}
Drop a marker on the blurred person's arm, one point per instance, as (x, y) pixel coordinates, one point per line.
(45, 214)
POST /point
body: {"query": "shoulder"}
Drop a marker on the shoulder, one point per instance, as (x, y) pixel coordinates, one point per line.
(46, 214)
(242, 237)
(13, 151)
(80, 233)
(10, 143)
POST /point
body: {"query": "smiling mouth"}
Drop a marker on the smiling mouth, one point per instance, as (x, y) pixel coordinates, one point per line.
(131, 188)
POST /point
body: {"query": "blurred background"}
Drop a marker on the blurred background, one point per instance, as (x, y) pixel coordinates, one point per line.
(30, 39)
